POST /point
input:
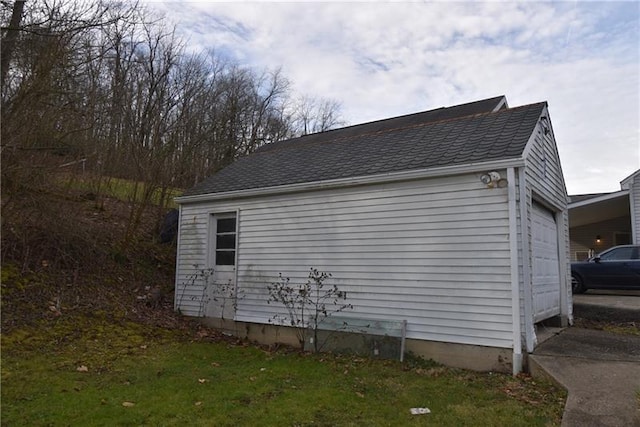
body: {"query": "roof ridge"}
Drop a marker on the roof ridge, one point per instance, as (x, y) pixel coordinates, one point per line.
(451, 119)
(408, 115)
(412, 126)
(501, 98)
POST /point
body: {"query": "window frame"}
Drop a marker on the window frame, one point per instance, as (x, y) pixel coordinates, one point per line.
(213, 239)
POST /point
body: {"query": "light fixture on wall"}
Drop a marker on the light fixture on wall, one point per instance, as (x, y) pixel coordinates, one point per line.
(493, 179)
(598, 239)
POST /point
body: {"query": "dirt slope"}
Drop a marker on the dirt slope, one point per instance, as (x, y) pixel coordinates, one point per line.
(62, 255)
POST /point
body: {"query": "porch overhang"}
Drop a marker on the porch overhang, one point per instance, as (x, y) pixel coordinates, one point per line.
(599, 208)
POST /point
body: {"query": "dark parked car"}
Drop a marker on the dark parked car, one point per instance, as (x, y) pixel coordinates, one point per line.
(615, 268)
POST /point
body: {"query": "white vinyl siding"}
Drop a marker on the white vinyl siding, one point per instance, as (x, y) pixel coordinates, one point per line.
(545, 184)
(544, 173)
(192, 256)
(434, 252)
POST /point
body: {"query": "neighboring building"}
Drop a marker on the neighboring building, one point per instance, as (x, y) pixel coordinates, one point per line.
(453, 219)
(600, 221)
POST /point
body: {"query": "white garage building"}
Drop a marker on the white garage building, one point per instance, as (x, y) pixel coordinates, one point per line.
(453, 219)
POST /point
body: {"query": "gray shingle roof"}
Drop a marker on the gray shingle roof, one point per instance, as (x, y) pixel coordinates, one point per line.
(463, 134)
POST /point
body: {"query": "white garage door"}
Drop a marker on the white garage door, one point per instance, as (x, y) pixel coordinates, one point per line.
(546, 267)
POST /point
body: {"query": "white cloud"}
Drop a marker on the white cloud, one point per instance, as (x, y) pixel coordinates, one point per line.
(385, 59)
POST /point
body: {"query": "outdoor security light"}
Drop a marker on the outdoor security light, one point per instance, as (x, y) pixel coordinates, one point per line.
(493, 179)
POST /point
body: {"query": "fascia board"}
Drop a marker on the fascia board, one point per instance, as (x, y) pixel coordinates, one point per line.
(502, 103)
(532, 138)
(349, 182)
(625, 182)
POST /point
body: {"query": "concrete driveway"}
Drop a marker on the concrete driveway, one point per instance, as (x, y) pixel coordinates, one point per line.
(599, 369)
(601, 372)
(608, 306)
(629, 300)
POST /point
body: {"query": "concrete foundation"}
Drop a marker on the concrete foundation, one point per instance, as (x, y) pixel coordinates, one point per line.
(472, 357)
(260, 333)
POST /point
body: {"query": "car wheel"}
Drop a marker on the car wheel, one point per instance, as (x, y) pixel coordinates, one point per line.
(577, 285)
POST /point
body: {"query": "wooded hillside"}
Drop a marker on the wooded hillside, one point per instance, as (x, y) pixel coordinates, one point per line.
(100, 93)
(106, 114)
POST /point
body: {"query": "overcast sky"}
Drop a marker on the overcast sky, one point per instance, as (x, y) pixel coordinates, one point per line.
(382, 60)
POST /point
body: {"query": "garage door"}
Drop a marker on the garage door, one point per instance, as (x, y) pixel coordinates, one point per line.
(546, 266)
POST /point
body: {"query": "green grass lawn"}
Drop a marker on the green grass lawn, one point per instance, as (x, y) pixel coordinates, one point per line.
(144, 376)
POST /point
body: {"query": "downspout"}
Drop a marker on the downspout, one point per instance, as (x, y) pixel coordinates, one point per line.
(515, 285)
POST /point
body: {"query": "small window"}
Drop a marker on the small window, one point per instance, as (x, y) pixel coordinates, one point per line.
(225, 240)
(225, 257)
(226, 225)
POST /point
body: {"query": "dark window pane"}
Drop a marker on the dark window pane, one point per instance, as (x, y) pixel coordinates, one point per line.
(226, 241)
(226, 225)
(225, 257)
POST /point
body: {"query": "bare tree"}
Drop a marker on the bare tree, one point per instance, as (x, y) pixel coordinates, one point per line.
(311, 115)
(9, 36)
(101, 91)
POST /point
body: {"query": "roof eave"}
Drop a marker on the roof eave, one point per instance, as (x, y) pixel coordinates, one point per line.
(603, 198)
(353, 181)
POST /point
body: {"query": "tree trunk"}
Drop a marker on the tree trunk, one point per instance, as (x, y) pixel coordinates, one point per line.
(9, 39)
